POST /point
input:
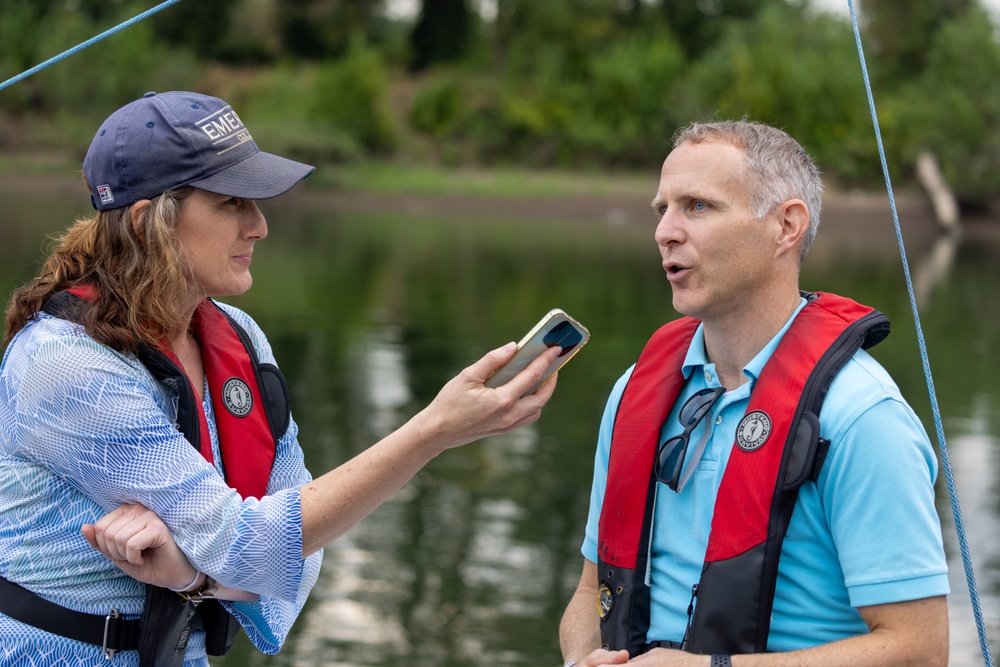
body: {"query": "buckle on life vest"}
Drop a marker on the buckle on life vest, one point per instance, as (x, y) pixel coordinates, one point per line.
(112, 631)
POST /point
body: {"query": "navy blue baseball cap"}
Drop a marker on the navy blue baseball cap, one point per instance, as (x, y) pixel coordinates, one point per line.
(165, 140)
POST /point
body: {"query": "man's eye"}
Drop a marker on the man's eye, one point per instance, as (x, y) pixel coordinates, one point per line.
(660, 211)
(234, 201)
(699, 206)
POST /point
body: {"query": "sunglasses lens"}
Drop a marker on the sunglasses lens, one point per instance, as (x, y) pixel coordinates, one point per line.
(670, 460)
(695, 408)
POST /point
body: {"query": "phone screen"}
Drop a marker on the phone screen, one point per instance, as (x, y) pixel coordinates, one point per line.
(555, 329)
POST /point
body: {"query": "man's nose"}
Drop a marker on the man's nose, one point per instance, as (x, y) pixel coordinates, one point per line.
(669, 229)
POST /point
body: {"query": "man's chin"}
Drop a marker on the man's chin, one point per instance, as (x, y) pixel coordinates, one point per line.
(686, 306)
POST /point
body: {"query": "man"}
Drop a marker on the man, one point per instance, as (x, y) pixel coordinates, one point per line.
(728, 525)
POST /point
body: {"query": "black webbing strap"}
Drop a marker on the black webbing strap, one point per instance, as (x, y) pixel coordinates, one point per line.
(112, 632)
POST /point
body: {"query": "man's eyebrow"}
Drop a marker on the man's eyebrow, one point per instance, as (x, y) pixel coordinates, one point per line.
(663, 201)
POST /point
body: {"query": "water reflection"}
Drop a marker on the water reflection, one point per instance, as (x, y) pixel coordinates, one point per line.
(370, 313)
(383, 375)
(974, 458)
(934, 267)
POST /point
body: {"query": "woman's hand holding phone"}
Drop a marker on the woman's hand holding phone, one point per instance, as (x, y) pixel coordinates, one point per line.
(505, 389)
(466, 410)
(556, 328)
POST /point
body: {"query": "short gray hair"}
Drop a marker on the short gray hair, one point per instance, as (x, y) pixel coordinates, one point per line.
(778, 168)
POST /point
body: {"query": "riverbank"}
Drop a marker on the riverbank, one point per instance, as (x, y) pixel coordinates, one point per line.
(421, 186)
(62, 169)
(476, 193)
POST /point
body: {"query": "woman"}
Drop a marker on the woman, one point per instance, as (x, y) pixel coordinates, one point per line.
(124, 386)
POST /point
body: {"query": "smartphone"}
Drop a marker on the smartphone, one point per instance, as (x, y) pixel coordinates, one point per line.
(556, 328)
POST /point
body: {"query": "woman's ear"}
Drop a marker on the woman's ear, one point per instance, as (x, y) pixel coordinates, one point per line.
(138, 214)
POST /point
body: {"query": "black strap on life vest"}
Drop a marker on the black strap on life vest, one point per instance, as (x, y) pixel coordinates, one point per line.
(167, 620)
(112, 632)
(732, 609)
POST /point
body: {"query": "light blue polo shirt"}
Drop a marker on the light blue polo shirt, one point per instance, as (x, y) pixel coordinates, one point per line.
(867, 532)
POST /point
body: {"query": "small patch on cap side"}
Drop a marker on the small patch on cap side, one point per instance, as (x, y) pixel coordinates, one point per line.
(104, 191)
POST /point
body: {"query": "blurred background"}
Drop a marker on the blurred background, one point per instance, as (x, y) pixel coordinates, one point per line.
(481, 162)
(581, 84)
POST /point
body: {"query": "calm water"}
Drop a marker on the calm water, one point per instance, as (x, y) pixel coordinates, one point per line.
(370, 309)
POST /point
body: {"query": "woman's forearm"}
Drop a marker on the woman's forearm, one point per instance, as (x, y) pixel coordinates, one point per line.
(463, 411)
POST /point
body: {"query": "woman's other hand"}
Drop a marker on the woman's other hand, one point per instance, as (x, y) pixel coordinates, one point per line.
(138, 542)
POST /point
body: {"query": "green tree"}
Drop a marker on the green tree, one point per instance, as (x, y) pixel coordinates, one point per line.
(441, 34)
(22, 25)
(531, 36)
(953, 109)
(116, 70)
(794, 70)
(699, 25)
(318, 29)
(349, 96)
(623, 107)
(201, 26)
(899, 31)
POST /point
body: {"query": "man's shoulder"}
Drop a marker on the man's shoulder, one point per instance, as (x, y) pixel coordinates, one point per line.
(619, 387)
(864, 392)
(863, 375)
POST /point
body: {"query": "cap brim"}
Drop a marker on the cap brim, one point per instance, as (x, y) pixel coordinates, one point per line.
(260, 176)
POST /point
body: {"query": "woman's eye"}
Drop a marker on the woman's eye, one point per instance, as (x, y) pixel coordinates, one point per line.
(234, 201)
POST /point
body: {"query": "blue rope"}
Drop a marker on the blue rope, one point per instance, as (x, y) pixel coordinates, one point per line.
(89, 42)
(945, 458)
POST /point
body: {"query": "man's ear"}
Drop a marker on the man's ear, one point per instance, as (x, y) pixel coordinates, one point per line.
(138, 214)
(793, 222)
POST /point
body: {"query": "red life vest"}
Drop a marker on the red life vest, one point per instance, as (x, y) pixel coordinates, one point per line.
(759, 487)
(250, 398)
(251, 414)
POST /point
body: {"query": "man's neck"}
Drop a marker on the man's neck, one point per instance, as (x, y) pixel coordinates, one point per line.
(733, 343)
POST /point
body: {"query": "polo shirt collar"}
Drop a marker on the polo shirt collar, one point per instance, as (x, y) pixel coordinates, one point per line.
(697, 358)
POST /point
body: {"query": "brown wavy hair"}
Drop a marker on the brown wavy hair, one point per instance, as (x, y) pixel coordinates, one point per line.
(141, 272)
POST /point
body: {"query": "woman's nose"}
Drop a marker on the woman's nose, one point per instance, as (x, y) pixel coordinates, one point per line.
(256, 226)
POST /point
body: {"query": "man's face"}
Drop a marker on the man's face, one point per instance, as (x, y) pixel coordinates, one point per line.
(714, 254)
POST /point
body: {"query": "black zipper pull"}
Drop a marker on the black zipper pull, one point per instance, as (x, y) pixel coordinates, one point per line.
(690, 621)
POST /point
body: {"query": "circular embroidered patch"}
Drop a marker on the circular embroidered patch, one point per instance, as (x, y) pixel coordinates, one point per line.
(236, 394)
(753, 430)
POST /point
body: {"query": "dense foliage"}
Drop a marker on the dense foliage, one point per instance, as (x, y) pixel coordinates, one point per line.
(563, 83)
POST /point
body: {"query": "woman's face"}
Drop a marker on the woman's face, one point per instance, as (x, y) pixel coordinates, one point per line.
(218, 232)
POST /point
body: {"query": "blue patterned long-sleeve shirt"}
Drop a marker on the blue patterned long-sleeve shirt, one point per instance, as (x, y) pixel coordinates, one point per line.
(84, 429)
